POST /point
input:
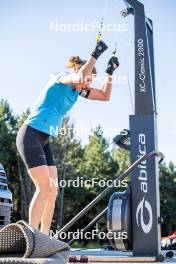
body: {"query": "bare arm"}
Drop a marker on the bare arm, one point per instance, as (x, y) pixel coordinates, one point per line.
(97, 94)
(105, 93)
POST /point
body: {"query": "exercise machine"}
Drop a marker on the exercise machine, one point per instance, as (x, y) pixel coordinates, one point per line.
(137, 210)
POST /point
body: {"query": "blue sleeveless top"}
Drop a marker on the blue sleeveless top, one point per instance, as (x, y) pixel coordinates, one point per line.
(55, 100)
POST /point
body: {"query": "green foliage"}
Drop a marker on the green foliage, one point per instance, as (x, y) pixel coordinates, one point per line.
(168, 192)
(122, 157)
(68, 155)
(97, 161)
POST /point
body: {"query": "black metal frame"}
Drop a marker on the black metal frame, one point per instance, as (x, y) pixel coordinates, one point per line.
(143, 138)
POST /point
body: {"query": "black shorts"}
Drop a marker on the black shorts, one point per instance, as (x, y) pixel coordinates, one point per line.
(34, 147)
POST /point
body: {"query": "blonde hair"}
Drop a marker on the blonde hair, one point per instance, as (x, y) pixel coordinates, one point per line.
(76, 63)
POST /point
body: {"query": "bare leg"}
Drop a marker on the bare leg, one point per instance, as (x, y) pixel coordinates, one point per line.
(48, 211)
(40, 177)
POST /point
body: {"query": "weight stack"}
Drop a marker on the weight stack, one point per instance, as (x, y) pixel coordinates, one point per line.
(5, 199)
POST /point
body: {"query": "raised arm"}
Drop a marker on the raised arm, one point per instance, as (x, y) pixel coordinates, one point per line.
(85, 71)
(104, 93)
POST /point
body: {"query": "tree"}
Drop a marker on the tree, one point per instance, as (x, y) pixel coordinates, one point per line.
(122, 157)
(68, 155)
(98, 164)
(167, 192)
(97, 160)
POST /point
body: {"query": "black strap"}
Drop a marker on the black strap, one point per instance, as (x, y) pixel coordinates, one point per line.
(85, 93)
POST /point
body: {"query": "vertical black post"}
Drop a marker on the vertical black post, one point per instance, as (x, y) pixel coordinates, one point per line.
(145, 178)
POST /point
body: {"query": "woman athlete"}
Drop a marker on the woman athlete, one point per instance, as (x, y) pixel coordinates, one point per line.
(55, 100)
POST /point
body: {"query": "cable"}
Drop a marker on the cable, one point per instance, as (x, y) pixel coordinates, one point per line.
(128, 79)
(115, 49)
(131, 98)
(105, 8)
(98, 38)
(129, 85)
(126, 3)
